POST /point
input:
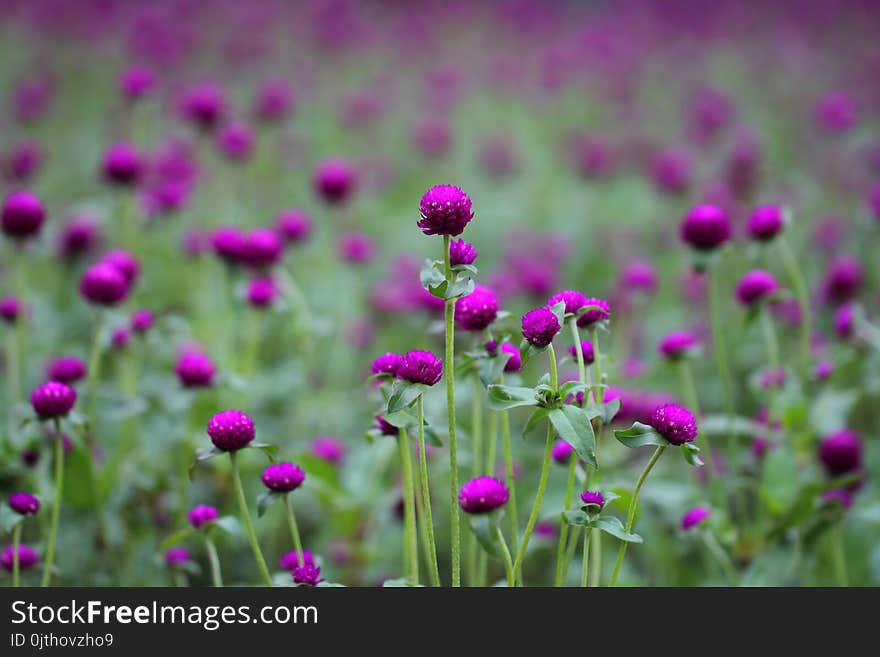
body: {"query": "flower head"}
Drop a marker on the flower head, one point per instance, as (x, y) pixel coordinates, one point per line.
(843, 279)
(844, 320)
(24, 503)
(705, 228)
(274, 101)
(824, 370)
(103, 284)
(387, 363)
(294, 225)
(136, 82)
(236, 141)
(53, 400)
(202, 515)
(461, 253)
(420, 367)
(261, 248)
(229, 244)
(142, 321)
(573, 299)
(385, 427)
(10, 309)
(262, 292)
(290, 560)
(755, 287)
(482, 495)
(124, 262)
(639, 275)
(562, 451)
(587, 350)
(79, 236)
(283, 477)
(177, 556)
(66, 369)
(477, 310)
(540, 326)
(357, 248)
(27, 558)
(514, 363)
(840, 496)
(122, 164)
(121, 337)
(204, 105)
(593, 497)
(696, 516)
(445, 210)
(334, 181)
(675, 423)
(766, 222)
(329, 449)
(195, 370)
(307, 575)
(22, 215)
(677, 344)
(231, 430)
(841, 452)
(601, 313)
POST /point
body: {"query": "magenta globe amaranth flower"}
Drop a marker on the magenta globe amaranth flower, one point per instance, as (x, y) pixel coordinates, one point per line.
(274, 101)
(445, 210)
(294, 225)
(195, 370)
(461, 253)
(334, 181)
(27, 558)
(574, 301)
(202, 515)
(756, 286)
(672, 171)
(79, 236)
(839, 496)
(24, 503)
(385, 427)
(766, 222)
(136, 82)
(824, 369)
(142, 321)
(126, 263)
(482, 495)
(675, 423)
(307, 575)
(231, 430)
(593, 498)
(177, 556)
(843, 279)
(477, 310)
(844, 321)
(600, 313)
(283, 477)
(203, 105)
(835, 112)
(122, 164)
(639, 276)
(514, 363)
(678, 344)
(387, 363)
(121, 337)
(357, 248)
(696, 516)
(236, 141)
(290, 560)
(705, 228)
(261, 248)
(10, 309)
(22, 215)
(420, 367)
(23, 162)
(229, 244)
(66, 369)
(262, 292)
(561, 452)
(540, 326)
(53, 400)
(587, 351)
(329, 449)
(104, 285)
(841, 452)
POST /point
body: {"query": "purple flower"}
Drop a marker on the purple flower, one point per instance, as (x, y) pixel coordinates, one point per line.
(514, 363)
(23, 162)
(387, 363)
(307, 575)
(540, 326)
(587, 351)
(386, 427)
(283, 477)
(24, 503)
(445, 210)
(843, 321)
(274, 101)
(236, 141)
(477, 310)
(705, 228)
(574, 301)
(290, 560)
(261, 248)
(195, 370)
(599, 314)
(433, 137)
(766, 222)
(755, 287)
(294, 225)
(231, 430)
(696, 516)
(675, 423)
(136, 82)
(843, 279)
(66, 369)
(773, 378)
(546, 530)
(53, 400)
(672, 171)
(203, 105)
(10, 309)
(835, 113)
(461, 253)
(177, 556)
(229, 244)
(334, 181)
(27, 558)
(561, 452)
(22, 215)
(124, 262)
(122, 164)
(482, 495)
(420, 367)
(329, 449)
(202, 515)
(677, 344)
(639, 276)
(824, 370)
(839, 496)
(78, 237)
(121, 337)
(262, 292)
(593, 497)
(841, 452)
(142, 321)
(357, 248)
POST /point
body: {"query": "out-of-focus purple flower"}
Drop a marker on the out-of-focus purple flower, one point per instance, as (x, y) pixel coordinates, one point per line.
(262, 292)
(142, 321)
(31, 99)
(202, 515)
(710, 111)
(177, 556)
(835, 113)
(601, 313)
(696, 516)
(593, 157)
(261, 248)
(561, 452)
(633, 368)
(120, 338)
(573, 300)
(22, 215)
(79, 236)
(229, 244)
(672, 171)
(27, 557)
(334, 181)
(461, 253)
(204, 105)
(639, 275)
(498, 156)
(445, 210)
(23, 161)
(546, 530)
(844, 321)
(705, 227)
(593, 498)
(824, 369)
(103, 284)
(839, 496)
(788, 310)
(53, 400)
(274, 101)
(231, 430)
(10, 309)
(514, 363)
(290, 560)
(307, 575)
(124, 262)
(236, 141)
(841, 452)
(194, 369)
(477, 310)
(387, 363)
(24, 503)
(194, 242)
(420, 367)
(136, 82)
(540, 326)
(295, 226)
(357, 248)
(760, 446)
(756, 286)
(329, 449)
(386, 427)
(587, 350)
(122, 164)
(482, 495)
(843, 279)
(743, 166)
(675, 423)
(678, 344)
(283, 477)
(433, 137)
(773, 378)
(829, 233)
(766, 222)
(66, 369)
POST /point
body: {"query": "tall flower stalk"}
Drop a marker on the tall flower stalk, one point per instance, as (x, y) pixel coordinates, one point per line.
(410, 552)
(426, 498)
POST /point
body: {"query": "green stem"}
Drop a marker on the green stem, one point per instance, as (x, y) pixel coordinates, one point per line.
(579, 350)
(492, 450)
(511, 484)
(476, 470)
(563, 531)
(422, 526)
(449, 371)
(94, 372)
(721, 556)
(214, 560)
(56, 504)
(536, 508)
(426, 496)
(16, 541)
(246, 517)
(838, 554)
(689, 392)
(631, 512)
(573, 541)
(772, 344)
(721, 361)
(411, 549)
(505, 553)
(13, 368)
(597, 366)
(294, 529)
(585, 561)
(802, 294)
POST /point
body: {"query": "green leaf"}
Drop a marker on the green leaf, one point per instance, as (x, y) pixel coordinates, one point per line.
(271, 451)
(559, 310)
(228, 524)
(265, 499)
(503, 397)
(177, 537)
(639, 435)
(576, 517)
(470, 269)
(609, 411)
(612, 525)
(718, 425)
(483, 526)
(691, 454)
(431, 437)
(491, 369)
(433, 277)
(402, 419)
(403, 394)
(571, 388)
(9, 519)
(574, 427)
(461, 287)
(206, 453)
(535, 419)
